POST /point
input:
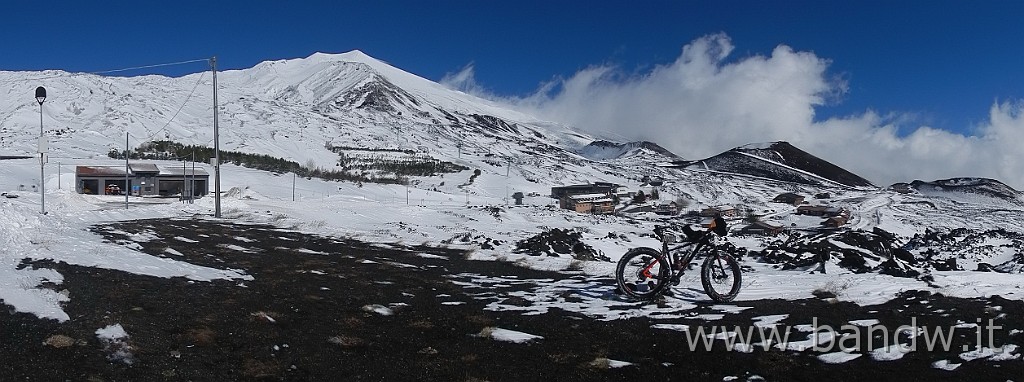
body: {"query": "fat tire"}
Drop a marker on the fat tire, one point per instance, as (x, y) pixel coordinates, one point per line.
(733, 270)
(661, 282)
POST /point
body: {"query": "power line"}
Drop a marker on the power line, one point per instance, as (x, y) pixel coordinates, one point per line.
(150, 66)
(196, 86)
(110, 71)
(190, 94)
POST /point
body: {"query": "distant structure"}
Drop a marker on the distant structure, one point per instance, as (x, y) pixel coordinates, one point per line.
(589, 203)
(903, 188)
(597, 197)
(821, 210)
(667, 208)
(789, 198)
(811, 210)
(762, 228)
(835, 222)
(144, 179)
(723, 210)
(518, 196)
(593, 188)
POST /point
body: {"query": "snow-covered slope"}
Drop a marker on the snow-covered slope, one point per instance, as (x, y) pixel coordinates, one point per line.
(779, 161)
(295, 109)
(968, 187)
(602, 149)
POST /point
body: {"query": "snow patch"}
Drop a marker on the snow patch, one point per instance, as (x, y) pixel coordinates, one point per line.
(379, 309)
(945, 365)
(838, 357)
(506, 335)
(115, 343)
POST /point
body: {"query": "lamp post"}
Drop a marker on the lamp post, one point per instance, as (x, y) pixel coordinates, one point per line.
(41, 97)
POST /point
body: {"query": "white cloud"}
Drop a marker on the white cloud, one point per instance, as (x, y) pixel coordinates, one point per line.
(465, 80)
(703, 103)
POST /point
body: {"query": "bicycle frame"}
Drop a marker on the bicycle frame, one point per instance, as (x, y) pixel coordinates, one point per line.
(679, 262)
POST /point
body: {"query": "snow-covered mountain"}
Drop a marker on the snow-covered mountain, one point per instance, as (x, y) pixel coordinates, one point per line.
(298, 109)
(602, 149)
(779, 161)
(975, 186)
(307, 110)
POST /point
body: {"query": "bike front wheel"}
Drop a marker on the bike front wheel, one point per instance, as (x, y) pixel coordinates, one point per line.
(642, 273)
(721, 277)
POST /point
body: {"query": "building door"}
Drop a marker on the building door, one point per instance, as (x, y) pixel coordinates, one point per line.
(89, 186)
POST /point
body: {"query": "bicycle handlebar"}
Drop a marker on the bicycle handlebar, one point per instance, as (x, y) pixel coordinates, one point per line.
(718, 226)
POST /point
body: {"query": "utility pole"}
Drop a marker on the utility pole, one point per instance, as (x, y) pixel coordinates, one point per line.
(58, 175)
(293, 186)
(216, 143)
(127, 188)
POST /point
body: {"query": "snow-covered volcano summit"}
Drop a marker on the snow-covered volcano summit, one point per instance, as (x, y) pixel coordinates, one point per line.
(293, 109)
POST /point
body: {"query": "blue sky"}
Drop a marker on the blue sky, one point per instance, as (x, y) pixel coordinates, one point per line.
(937, 63)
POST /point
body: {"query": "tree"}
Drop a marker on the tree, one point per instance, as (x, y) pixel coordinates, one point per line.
(639, 198)
(751, 217)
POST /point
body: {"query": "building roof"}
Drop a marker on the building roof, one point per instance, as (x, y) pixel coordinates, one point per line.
(118, 171)
(603, 185)
(764, 224)
(99, 171)
(178, 171)
(143, 167)
(813, 207)
(721, 208)
(588, 185)
(590, 198)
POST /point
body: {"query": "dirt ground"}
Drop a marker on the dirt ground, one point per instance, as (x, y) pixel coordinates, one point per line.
(314, 312)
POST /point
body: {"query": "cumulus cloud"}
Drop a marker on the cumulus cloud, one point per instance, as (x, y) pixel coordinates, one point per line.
(704, 103)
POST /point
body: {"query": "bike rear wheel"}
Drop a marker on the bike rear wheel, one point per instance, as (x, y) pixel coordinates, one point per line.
(721, 277)
(642, 273)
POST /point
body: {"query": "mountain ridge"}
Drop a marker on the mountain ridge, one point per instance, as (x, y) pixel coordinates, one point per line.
(968, 185)
(779, 161)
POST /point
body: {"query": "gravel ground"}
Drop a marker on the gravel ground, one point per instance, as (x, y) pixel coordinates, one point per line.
(323, 308)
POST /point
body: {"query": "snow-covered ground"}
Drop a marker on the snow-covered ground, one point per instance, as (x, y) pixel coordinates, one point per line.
(413, 216)
(300, 109)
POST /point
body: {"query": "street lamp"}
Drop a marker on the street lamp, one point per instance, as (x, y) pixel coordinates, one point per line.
(40, 97)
